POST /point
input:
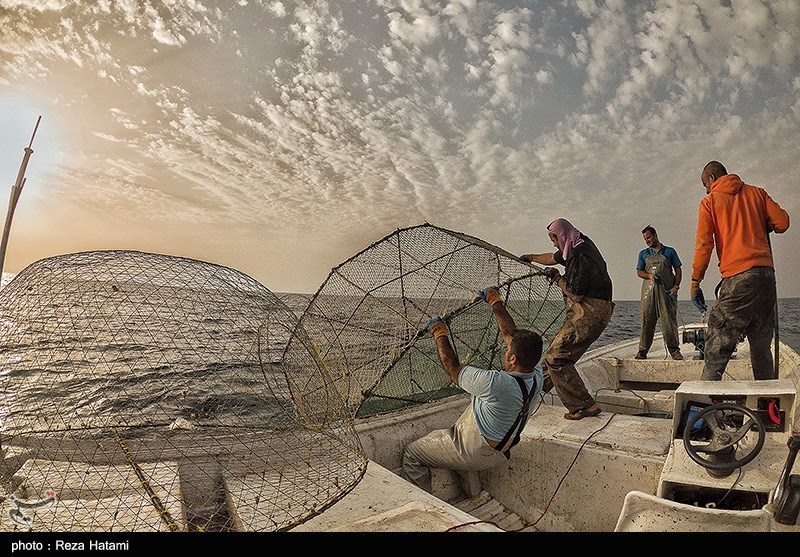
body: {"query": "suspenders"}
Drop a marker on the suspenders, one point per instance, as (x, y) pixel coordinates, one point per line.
(519, 423)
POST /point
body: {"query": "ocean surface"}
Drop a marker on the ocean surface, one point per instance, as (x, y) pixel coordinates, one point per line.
(219, 378)
(626, 321)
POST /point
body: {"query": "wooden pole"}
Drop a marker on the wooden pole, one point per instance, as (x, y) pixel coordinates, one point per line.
(16, 190)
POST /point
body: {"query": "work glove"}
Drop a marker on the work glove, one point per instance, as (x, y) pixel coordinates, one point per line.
(673, 295)
(524, 258)
(490, 295)
(436, 327)
(696, 294)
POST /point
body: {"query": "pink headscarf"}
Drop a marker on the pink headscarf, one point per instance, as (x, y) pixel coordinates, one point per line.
(567, 235)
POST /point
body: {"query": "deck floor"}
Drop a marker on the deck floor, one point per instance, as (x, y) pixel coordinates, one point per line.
(486, 508)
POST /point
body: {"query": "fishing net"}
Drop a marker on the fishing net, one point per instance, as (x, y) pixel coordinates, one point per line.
(143, 392)
(368, 318)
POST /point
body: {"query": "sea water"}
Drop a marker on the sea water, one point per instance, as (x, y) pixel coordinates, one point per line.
(101, 396)
(626, 322)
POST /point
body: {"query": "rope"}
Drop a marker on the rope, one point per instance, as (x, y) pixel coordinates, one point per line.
(564, 477)
(166, 518)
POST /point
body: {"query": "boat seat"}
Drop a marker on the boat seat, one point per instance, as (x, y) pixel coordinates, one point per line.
(661, 371)
(643, 512)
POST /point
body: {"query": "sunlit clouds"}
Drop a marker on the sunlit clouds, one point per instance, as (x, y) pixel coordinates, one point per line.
(280, 138)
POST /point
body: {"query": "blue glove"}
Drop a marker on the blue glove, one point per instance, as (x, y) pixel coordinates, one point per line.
(698, 299)
(490, 295)
(524, 258)
(673, 296)
(432, 320)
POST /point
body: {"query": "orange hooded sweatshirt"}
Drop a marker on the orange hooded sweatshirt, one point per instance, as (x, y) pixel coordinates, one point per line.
(736, 217)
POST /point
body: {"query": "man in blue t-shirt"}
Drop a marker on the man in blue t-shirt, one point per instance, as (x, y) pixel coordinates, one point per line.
(483, 435)
(660, 268)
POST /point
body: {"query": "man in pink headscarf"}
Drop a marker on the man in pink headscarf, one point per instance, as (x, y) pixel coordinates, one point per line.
(586, 287)
(566, 236)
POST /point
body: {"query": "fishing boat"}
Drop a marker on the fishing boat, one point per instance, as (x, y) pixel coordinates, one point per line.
(145, 392)
(668, 453)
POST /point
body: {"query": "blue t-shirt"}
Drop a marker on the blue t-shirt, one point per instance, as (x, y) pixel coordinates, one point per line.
(666, 251)
(496, 397)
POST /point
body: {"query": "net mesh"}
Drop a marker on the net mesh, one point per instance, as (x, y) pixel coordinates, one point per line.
(143, 392)
(368, 318)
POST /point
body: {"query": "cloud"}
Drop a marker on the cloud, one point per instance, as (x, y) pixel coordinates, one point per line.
(336, 122)
(278, 9)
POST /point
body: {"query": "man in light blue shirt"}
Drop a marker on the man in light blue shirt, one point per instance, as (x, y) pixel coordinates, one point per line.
(483, 435)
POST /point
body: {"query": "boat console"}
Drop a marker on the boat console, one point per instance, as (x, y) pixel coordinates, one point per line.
(729, 464)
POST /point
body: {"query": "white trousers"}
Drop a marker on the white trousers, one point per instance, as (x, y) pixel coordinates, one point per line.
(461, 448)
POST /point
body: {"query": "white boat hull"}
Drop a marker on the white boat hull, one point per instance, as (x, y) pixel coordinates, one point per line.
(614, 471)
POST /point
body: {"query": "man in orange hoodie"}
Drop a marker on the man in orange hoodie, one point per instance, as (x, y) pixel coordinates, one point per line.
(737, 218)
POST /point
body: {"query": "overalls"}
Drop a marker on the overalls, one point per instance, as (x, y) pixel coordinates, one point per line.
(656, 303)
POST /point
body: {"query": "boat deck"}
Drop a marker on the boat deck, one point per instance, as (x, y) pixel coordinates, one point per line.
(622, 384)
(486, 508)
(566, 475)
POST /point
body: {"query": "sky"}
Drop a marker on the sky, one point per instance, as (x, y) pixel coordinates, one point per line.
(280, 138)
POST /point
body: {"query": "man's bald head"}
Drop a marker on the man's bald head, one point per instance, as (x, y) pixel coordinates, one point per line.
(711, 172)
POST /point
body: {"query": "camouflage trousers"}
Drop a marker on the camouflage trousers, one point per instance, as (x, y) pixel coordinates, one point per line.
(583, 324)
(745, 308)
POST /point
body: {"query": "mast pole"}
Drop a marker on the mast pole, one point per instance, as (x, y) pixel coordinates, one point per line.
(16, 190)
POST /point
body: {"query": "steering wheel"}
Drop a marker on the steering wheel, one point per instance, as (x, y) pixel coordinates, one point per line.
(720, 421)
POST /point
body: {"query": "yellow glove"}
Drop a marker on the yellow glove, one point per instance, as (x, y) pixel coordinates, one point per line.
(436, 327)
(490, 295)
